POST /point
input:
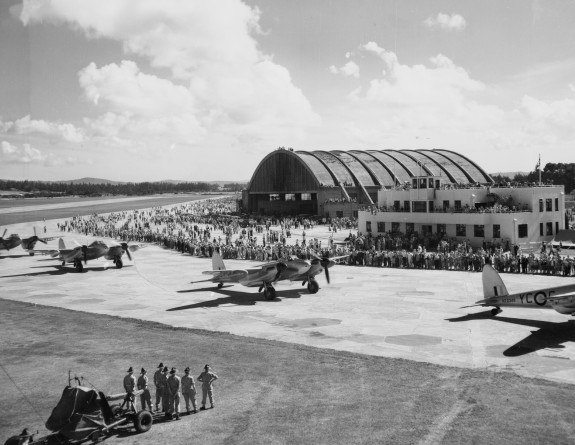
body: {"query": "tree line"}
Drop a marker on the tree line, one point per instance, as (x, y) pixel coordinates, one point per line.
(40, 188)
(553, 173)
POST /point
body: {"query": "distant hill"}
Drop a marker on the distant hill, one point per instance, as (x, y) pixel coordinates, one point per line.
(169, 181)
(90, 181)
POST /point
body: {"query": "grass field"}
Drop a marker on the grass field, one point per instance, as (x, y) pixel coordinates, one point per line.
(271, 392)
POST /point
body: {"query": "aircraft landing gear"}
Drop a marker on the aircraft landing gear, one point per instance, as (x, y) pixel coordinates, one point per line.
(220, 285)
(119, 263)
(495, 311)
(269, 292)
(312, 286)
(78, 265)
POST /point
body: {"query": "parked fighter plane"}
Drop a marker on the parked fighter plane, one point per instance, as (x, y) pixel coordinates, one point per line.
(265, 275)
(95, 250)
(27, 244)
(561, 298)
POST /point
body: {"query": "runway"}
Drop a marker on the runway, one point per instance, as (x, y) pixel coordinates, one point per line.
(409, 314)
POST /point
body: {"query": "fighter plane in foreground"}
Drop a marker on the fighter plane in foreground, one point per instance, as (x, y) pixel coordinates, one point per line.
(266, 275)
(27, 244)
(561, 298)
(95, 250)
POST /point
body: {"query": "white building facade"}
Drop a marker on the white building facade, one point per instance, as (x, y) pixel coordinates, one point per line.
(524, 216)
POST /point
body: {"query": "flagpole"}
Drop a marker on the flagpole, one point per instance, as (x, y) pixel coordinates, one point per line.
(539, 165)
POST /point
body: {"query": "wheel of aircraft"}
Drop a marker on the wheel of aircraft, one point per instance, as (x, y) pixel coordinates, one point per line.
(220, 285)
(79, 266)
(312, 286)
(269, 293)
(495, 311)
(31, 253)
(119, 264)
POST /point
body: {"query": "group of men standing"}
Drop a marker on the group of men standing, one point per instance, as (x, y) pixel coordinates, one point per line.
(170, 388)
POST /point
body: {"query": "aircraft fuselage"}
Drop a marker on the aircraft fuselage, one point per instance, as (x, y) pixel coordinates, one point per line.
(561, 299)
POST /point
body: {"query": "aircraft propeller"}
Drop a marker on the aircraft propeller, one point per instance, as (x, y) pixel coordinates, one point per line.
(280, 266)
(126, 249)
(85, 253)
(326, 262)
(4, 234)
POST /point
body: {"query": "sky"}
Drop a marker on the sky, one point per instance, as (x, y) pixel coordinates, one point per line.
(191, 90)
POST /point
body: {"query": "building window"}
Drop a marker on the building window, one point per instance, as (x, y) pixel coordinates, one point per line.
(339, 213)
(426, 229)
(522, 230)
(290, 196)
(274, 197)
(446, 205)
(549, 204)
(380, 226)
(431, 206)
(395, 227)
(496, 231)
(457, 204)
(368, 226)
(479, 231)
(354, 213)
(540, 205)
(556, 204)
(556, 227)
(549, 229)
(396, 206)
(419, 206)
(441, 229)
(460, 229)
(409, 228)
(406, 206)
(540, 229)
(306, 196)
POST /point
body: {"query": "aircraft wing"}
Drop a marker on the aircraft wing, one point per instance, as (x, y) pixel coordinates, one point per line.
(229, 276)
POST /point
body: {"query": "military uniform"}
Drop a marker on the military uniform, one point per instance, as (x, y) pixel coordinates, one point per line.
(158, 382)
(130, 384)
(189, 391)
(145, 397)
(207, 377)
(174, 389)
(165, 392)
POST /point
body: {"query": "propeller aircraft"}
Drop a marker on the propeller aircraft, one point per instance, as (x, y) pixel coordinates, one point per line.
(267, 274)
(560, 298)
(95, 250)
(27, 244)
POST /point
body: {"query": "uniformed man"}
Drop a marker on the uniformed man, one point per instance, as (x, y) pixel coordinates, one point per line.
(165, 393)
(130, 385)
(174, 388)
(158, 382)
(145, 397)
(207, 378)
(189, 391)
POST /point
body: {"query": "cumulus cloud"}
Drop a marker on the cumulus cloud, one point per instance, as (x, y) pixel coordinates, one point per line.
(350, 69)
(446, 22)
(63, 131)
(220, 81)
(25, 154)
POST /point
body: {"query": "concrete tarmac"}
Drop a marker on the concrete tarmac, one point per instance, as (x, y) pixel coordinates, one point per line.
(402, 313)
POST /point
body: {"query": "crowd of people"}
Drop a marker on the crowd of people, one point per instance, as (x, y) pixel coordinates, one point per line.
(200, 228)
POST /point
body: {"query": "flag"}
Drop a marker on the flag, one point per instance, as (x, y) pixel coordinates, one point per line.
(538, 164)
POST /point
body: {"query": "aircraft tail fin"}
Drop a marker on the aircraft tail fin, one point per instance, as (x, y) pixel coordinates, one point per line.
(61, 244)
(493, 285)
(217, 262)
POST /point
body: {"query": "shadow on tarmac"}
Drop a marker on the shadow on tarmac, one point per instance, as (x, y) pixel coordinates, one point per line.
(59, 270)
(548, 336)
(238, 298)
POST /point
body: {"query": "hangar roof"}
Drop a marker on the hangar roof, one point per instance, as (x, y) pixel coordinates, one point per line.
(362, 168)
